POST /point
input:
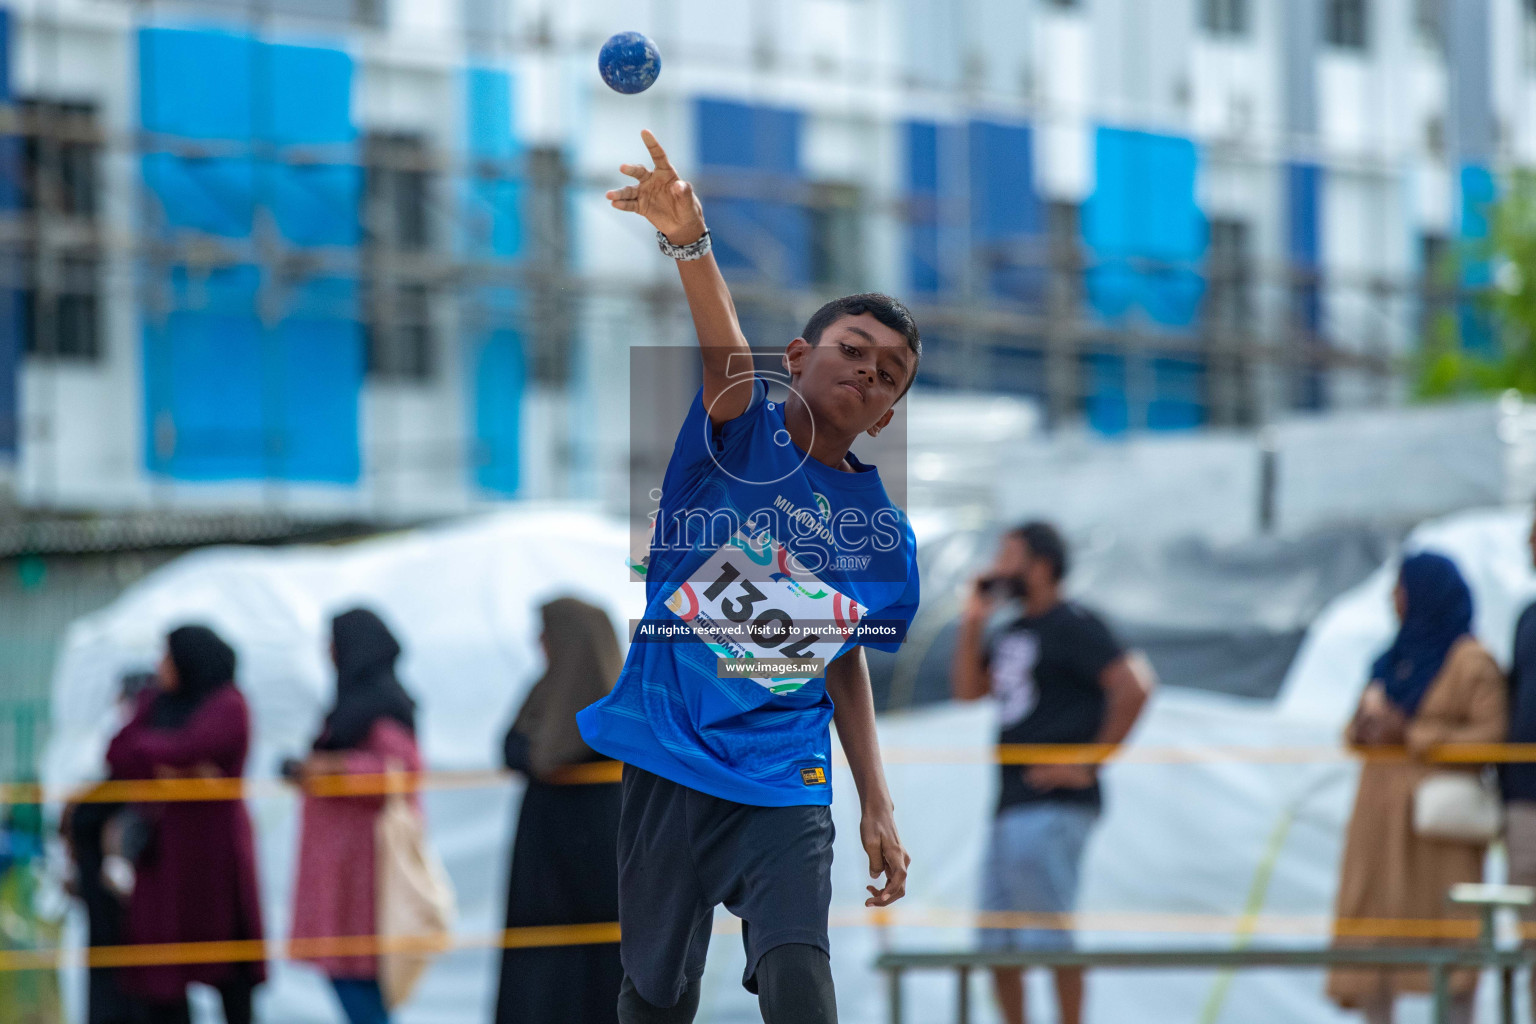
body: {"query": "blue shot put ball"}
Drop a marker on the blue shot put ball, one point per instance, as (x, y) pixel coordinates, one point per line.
(629, 62)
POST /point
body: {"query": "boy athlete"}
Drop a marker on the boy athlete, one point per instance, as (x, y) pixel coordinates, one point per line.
(773, 541)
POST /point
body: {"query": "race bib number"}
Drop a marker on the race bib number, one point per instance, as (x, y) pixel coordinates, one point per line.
(750, 601)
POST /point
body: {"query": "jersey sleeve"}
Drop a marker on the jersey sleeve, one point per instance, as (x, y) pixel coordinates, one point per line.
(701, 443)
(1096, 646)
(903, 611)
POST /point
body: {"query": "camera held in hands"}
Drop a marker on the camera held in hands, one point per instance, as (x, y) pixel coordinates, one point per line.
(1003, 588)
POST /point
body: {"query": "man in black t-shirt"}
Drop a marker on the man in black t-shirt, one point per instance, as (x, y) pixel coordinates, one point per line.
(1059, 677)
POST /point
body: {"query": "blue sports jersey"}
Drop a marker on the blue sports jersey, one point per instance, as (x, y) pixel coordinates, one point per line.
(757, 551)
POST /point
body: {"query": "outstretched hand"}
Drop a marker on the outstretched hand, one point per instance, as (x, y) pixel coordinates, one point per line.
(661, 197)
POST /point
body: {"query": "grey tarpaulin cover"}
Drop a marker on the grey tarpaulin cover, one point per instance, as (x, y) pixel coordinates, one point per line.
(1226, 617)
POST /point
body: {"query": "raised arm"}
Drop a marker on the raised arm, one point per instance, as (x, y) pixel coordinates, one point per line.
(967, 666)
(668, 202)
(853, 711)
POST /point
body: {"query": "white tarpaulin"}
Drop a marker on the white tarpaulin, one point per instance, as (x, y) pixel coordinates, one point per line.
(1183, 852)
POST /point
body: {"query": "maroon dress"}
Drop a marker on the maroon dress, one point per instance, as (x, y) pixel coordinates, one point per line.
(197, 877)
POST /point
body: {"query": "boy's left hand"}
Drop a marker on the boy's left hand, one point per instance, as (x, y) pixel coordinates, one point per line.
(877, 831)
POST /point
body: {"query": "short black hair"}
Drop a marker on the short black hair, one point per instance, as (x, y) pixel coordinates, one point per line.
(882, 307)
(1045, 541)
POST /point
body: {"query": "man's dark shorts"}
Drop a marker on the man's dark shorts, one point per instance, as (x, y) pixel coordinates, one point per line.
(681, 852)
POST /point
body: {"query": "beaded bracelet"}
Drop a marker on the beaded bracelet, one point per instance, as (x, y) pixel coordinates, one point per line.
(694, 250)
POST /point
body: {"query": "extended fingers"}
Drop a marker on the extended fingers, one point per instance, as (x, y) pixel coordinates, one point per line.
(636, 171)
(658, 155)
(626, 198)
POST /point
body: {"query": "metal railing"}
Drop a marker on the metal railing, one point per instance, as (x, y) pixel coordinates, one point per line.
(1440, 962)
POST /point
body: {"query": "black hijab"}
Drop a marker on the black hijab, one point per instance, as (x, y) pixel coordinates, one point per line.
(366, 687)
(584, 663)
(204, 665)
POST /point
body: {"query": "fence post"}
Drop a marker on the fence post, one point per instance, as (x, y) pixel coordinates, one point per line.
(1440, 985)
(963, 1013)
(893, 981)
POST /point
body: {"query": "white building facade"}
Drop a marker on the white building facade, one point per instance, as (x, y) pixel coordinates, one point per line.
(350, 258)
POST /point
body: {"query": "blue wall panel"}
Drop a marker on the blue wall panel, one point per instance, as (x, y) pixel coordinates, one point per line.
(489, 121)
(203, 380)
(1003, 201)
(308, 95)
(972, 184)
(758, 149)
(315, 377)
(317, 205)
(197, 84)
(310, 104)
(211, 195)
(495, 217)
(1146, 237)
(726, 135)
(1304, 187)
(229, 397)
(1144, 228)
(1178, 393)
(1007, 217)
(1304, 206)
(749, 137)
(1105, 407)
(922, 166)
(496, 195)
(10, 303)
(5, 53)
(1005, 213)
(494, 199)
(1478, 193)
(499, 377)
(214, 85)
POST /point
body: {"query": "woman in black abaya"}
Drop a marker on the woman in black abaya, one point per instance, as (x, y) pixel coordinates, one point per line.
(564, 859)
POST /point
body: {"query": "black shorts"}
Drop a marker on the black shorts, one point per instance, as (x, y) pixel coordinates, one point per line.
(682, 852)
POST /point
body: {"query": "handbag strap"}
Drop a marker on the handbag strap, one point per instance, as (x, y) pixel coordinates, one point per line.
(397, 781)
